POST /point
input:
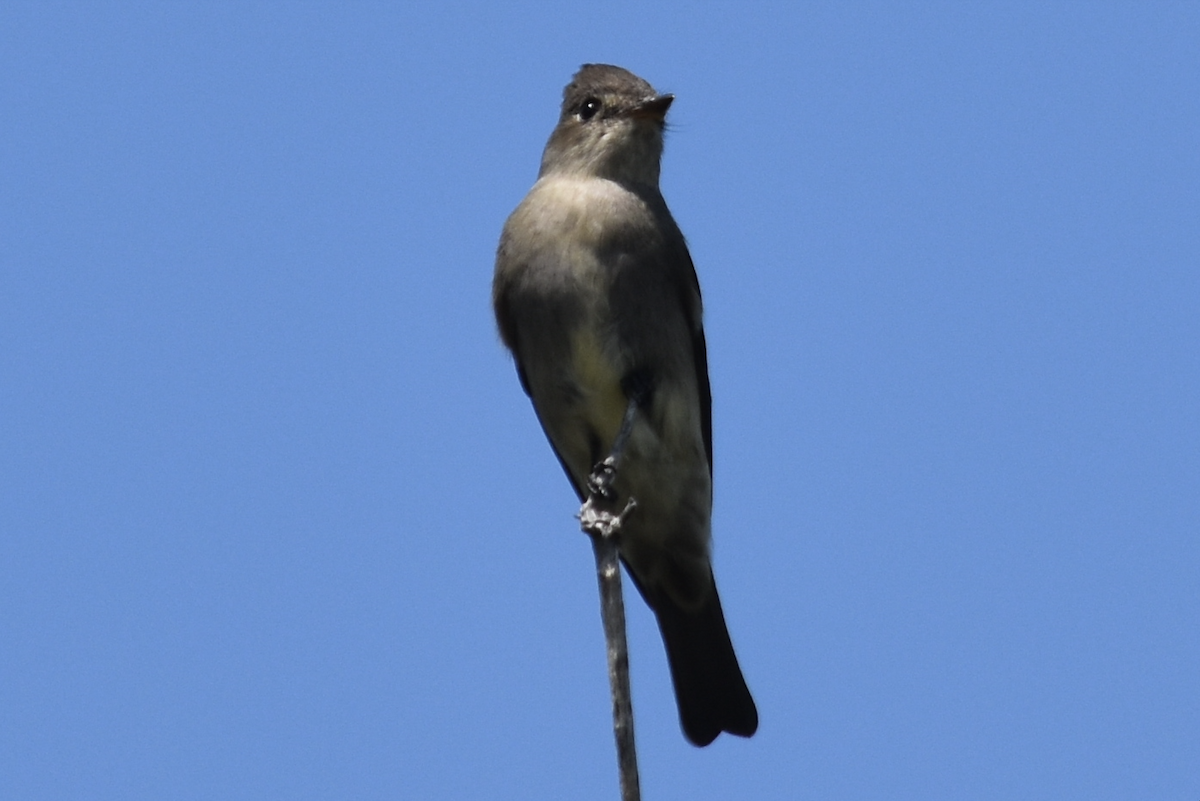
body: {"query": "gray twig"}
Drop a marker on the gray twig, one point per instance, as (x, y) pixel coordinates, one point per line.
(603, 527)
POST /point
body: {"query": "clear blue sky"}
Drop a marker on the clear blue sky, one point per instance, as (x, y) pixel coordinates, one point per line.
(276, 520)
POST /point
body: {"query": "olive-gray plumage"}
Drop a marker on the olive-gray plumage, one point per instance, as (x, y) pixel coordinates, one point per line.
(596, 296)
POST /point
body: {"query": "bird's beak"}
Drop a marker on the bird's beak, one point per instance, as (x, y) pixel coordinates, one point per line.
(653, 109)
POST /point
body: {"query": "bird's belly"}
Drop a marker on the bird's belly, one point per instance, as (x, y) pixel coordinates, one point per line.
(597, 376)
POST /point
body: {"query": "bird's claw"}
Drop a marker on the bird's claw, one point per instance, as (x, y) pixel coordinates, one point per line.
(600, 482)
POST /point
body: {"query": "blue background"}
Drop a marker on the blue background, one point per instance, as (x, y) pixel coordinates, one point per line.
(276, 520)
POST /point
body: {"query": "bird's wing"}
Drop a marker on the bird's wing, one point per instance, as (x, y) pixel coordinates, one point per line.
(689, 298)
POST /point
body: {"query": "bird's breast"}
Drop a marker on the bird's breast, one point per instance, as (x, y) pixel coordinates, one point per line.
(585, 211)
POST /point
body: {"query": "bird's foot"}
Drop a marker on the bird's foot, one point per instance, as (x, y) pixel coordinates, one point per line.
(600, 482)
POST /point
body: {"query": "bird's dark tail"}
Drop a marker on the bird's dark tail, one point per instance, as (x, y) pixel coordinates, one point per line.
(709, 688)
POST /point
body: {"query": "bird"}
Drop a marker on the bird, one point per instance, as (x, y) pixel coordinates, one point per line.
(596, 297)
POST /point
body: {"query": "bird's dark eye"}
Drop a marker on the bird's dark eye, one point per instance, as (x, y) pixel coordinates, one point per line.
(589, 109)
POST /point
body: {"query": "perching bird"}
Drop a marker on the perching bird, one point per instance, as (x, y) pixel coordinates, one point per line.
(596, 296)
